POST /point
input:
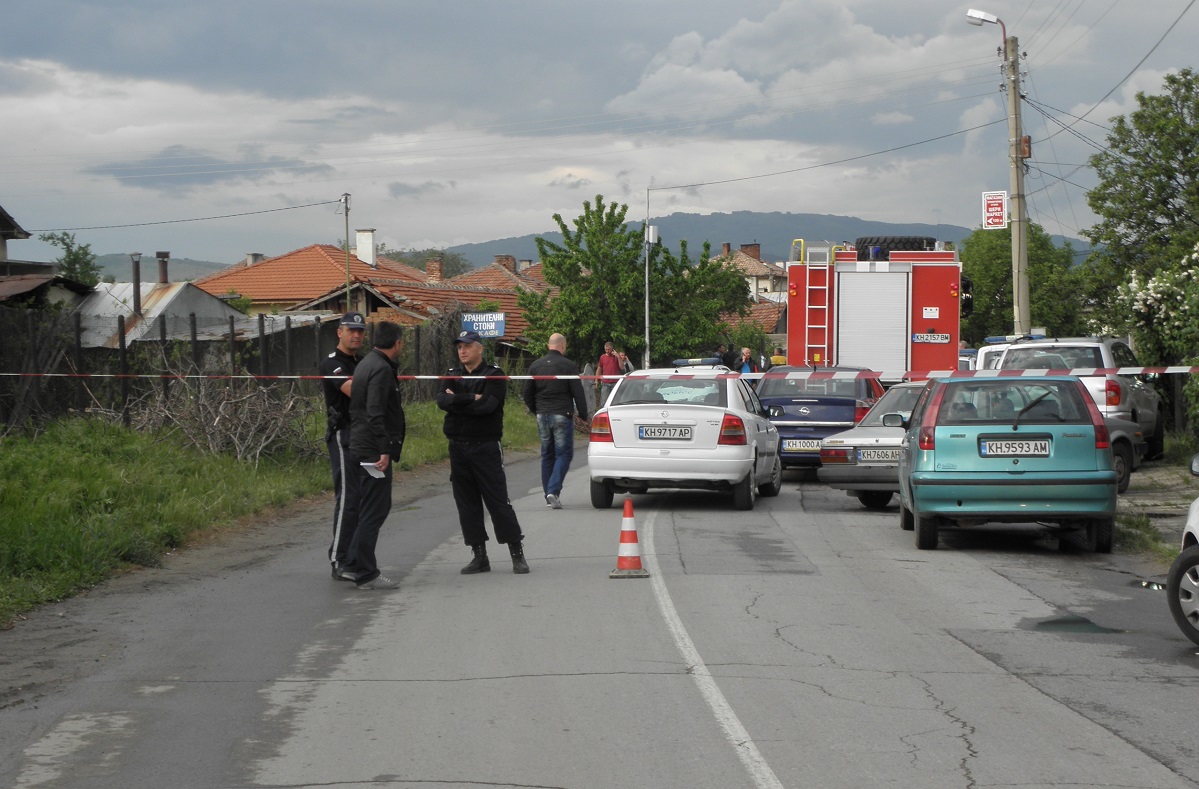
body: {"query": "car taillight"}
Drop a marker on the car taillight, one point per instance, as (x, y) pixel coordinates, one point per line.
(1112, 390)
(928, 425)
(833, 456)
(732, 431)
(601, 428)
(1103, 439)
(860, 408)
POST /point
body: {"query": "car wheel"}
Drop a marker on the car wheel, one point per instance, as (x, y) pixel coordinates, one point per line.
(926, 532)
(1182, 592)
(906, 521)
(775, 485)
(743, 493)
(1157, 442)
(875, 499)
(1101, 534)
(601, 495)
(1122, 460)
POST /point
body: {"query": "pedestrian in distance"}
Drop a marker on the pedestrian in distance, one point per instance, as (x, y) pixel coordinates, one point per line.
(556, 402)
(729, 357)
(377, 429)
(338, 369)
(746, 363)
(778, 358)
(608, 367)
(626, 366)
(474, 425)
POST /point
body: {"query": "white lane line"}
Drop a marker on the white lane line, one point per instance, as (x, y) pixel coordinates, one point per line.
(763, 777)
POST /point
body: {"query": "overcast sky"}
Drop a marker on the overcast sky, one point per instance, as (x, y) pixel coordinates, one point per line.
(457, 121)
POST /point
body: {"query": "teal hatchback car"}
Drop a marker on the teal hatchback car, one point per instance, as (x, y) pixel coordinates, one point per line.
(1028, 449)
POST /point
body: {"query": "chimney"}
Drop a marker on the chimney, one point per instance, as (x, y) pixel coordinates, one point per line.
(365, 251)
(254, 257)
(523, 265)
(507, 261)
(163, 257)
(433, 270)
(727, 249)
(137, 283)
(753, 250)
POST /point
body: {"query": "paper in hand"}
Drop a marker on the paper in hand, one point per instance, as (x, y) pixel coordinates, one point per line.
(372, 470)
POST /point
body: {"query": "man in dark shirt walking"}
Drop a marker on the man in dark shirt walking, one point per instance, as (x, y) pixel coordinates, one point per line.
(351, 331)
(556, 402)
(474, 425)
(377, 429)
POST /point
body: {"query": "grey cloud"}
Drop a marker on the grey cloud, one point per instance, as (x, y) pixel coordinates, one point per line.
(570, 181)
(400, 189)
(180, 168)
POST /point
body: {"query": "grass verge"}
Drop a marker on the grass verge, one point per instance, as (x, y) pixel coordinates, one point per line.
(85, 498)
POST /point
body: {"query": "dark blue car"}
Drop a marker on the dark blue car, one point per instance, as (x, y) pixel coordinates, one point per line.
(808, 404)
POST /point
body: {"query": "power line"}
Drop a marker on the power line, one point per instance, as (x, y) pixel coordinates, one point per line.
(178, 221)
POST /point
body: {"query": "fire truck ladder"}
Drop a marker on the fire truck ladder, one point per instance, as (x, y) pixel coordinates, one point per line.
(816, 318)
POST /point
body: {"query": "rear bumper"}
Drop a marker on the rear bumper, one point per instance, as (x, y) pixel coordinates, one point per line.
(851, 477)
(627, 469)
(1012, 498)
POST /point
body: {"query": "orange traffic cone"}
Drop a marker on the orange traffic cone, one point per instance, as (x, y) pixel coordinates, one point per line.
(628, 557)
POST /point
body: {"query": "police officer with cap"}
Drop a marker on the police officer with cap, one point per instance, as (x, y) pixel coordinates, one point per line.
(474, 425)
(338, 369)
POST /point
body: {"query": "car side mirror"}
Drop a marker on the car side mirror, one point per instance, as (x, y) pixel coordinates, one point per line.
(897, 420)
(1195, 465)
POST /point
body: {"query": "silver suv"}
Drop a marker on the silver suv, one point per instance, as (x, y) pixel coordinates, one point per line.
(1128, 397)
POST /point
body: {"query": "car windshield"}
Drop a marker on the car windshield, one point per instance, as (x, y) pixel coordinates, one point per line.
(1001, 402)
(897, 400)
(693, 391)
(807, 387)
(1057, 357)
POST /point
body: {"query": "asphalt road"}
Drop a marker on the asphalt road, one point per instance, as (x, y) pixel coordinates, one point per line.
(804, 644)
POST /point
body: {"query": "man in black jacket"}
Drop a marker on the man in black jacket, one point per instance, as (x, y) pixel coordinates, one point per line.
(474, 424)
(377, 430)
(555, 401)
(350, 332)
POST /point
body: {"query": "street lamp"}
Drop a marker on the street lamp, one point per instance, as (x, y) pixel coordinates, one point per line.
(651, 238)
(1022, 321)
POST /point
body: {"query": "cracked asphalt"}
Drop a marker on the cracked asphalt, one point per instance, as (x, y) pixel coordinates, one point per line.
(805, 643)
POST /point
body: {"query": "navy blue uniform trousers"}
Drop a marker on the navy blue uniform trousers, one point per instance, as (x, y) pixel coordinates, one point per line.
(478, 480)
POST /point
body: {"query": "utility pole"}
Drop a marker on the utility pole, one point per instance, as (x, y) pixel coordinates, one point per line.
(345, 200)
(1022, 320)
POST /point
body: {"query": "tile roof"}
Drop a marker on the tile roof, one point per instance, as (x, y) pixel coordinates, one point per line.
(493, 275)
(302, 274)
(751, 266)
(764, 314)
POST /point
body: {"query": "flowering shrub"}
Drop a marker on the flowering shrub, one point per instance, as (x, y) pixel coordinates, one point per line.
(1162, 314)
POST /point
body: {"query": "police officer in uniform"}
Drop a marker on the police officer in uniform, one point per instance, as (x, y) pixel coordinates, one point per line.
(474, 425)
(351, 331)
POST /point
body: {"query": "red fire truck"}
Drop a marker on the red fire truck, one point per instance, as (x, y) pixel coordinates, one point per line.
(886, 303)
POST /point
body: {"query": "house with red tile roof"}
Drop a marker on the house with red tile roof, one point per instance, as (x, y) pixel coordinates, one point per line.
(765, 280)
(506, 273)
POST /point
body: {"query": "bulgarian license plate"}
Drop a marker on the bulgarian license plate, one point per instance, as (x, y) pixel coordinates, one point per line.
(878, 455)
(1013, 449)
(801, 445)
(668, 432)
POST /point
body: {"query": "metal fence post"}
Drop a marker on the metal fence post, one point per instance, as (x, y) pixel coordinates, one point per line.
(262, 348)
(123, 369)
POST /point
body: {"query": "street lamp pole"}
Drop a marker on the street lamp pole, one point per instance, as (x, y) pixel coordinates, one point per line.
(1021, 313)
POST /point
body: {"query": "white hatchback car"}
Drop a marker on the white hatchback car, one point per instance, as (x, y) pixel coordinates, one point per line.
(1182, 582)
(684, 427)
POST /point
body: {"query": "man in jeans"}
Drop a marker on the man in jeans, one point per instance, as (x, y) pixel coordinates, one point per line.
(555, 401)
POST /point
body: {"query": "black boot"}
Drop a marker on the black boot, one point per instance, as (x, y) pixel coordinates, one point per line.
(479, 564)
(519, 565)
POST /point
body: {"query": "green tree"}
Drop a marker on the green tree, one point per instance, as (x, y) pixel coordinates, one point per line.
(600, 269)
(77, 262)
(1053, 285)
(1148, 192)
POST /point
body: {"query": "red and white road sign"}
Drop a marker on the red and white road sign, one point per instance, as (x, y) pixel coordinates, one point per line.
(994, 210)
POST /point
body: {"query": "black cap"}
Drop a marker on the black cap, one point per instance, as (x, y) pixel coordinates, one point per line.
(467, 336)
(353, 320)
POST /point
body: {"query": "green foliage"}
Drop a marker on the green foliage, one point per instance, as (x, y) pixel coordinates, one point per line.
(238, 302)
(600, 270)
(987, 261)
(77, 262)
(1148, 192)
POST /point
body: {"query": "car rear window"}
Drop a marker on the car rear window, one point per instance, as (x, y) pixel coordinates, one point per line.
(1057, 357)
(808, 387)
(896, 401)
(1001, 402)
(695, 391)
